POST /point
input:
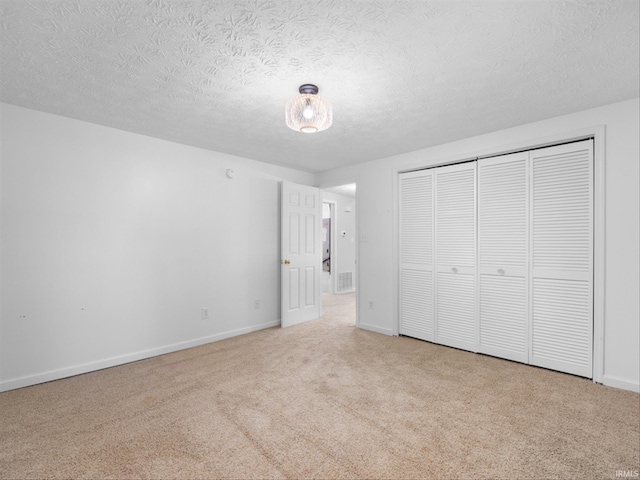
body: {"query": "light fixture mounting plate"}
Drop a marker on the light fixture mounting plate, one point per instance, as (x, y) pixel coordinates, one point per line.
(308, 88)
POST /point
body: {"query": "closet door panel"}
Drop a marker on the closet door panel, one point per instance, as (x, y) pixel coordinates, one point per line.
(503, 317)
(416, 255)
(562, 258)
(416, 300)
(455, 227)
(456, 217)
(562, 325)
(456, 317)
(502, 256)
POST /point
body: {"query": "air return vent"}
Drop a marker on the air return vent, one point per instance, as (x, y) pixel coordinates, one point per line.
(345, 282)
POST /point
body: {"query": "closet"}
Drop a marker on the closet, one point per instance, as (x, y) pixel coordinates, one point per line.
(496, 256)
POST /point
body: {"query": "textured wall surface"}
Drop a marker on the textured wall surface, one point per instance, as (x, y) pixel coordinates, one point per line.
(402, 75)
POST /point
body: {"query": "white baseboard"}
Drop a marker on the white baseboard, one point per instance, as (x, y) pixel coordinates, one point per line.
(51, 375)
(342, 292)
(374, 328)
(616, 382)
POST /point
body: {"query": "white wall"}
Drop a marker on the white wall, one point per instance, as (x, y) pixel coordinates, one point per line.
(112, 243)
(345, 248)
(378, 269)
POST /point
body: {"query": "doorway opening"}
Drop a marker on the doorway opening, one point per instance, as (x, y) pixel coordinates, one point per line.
(339, 249)
(327, 213)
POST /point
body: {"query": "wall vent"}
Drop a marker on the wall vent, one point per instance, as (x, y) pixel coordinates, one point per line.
(345, 282)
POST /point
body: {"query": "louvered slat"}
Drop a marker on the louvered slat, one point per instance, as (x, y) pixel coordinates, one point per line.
(416, 255)
(562, 252)
(416, 219)
(503, 317)
(455, 226)
(502, 211)
(456, 216)
(502, 255)
(456, 310)
(562, 325)
(416, 300)
(562, 212)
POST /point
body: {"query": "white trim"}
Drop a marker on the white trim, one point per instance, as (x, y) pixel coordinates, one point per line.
(616, 382)
(57, 374)
(599, 139)
(358, 277)
(333, 254)
(541, 142)
(333, 250)
(376, 329)
(437, 162)
(395, 249)
(597, 132)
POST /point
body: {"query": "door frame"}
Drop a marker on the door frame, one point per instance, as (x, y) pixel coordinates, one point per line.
(322, 187)
(598, 133)
(333, 255)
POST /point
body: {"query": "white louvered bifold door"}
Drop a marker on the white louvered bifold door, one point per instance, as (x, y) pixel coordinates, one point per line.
(455, 227)
(502, 256)
(562, 258)
(416, 254)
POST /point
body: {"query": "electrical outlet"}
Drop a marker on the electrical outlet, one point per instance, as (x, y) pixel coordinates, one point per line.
(371, 305)
(256, 304)
(205, 313)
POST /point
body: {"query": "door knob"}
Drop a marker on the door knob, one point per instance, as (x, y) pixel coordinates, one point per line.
(286, 262)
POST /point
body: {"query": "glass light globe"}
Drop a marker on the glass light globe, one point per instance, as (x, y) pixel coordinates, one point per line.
(308, 112)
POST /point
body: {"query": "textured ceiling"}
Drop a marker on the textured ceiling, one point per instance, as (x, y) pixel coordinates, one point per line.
(402, 75)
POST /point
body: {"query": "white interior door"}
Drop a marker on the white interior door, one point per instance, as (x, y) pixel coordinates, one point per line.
(301, 254)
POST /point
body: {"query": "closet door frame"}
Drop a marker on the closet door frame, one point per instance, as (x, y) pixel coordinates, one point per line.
(597, 132)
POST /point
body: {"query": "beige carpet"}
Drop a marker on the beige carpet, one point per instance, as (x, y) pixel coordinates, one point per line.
(320, 400)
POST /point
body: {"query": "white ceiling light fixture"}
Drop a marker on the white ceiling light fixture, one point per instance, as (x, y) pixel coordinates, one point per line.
(308, 112)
